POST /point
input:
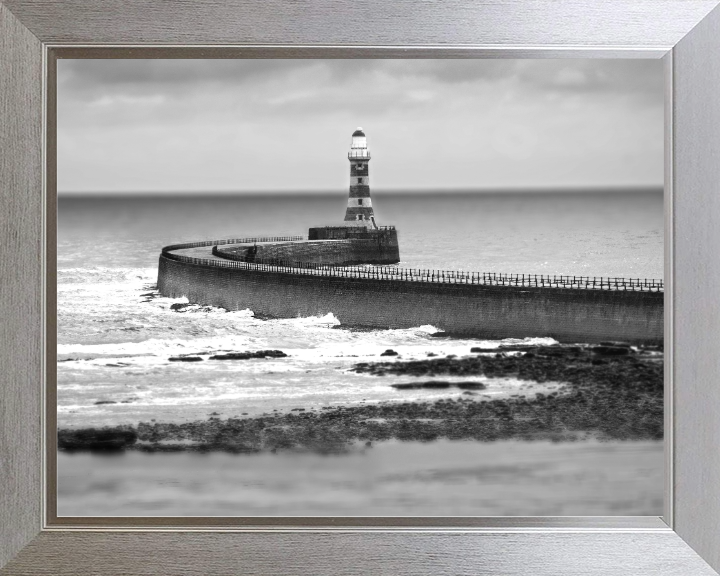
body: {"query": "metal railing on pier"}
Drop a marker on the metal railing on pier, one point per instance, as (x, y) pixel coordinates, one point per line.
(393, 273)
(252, 240)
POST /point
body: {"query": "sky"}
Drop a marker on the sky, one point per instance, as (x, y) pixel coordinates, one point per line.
(285, 125)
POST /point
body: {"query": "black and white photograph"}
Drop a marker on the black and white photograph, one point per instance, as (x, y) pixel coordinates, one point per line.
(328, 288)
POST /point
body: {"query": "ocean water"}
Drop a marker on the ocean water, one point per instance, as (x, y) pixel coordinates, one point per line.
(583, 233)
(114, 341)
(115, 334)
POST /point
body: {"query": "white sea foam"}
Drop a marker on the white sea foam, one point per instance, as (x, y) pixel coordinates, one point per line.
(145, 385)
(116, 336)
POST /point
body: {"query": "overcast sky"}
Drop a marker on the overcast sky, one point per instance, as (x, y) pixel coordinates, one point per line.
(285, 125)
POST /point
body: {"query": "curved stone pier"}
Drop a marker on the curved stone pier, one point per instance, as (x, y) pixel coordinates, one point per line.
(383, 297)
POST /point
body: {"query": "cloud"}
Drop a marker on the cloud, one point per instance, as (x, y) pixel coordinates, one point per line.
(80, 75)
(183, 124)
(564, 74)
(629, 77)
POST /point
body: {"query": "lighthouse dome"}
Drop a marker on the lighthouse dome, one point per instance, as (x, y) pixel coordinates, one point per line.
(359, 140)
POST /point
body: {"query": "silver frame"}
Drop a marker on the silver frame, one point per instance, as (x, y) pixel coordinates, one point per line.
(685, 33)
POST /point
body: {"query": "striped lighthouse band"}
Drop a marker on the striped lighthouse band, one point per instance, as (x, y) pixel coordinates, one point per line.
(359, 168)
(359, 191)
(359, 181)
(359, 202)
(360, 215)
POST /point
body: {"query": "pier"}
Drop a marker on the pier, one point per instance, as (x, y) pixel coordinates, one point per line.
(471, 304)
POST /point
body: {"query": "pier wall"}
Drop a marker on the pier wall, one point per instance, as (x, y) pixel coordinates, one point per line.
(332, 245)
(331, 252)
(493, 312)
(368, 245)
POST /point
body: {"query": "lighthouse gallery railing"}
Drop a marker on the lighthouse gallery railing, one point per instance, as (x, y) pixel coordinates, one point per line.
(406, 274)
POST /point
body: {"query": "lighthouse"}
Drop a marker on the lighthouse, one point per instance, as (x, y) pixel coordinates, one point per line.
(359, 207)
(363, 241)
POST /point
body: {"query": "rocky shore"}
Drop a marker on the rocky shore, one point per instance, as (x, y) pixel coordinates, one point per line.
(609, 392)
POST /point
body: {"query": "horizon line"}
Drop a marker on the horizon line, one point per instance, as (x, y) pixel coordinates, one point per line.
(635, 188)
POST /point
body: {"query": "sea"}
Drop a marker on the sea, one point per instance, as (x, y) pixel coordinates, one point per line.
(116, 334)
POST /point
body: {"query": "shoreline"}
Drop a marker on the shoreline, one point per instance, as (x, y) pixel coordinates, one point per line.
(393, 478)
(609, 392)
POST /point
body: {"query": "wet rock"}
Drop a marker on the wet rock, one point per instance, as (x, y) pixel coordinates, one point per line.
(513, 348)
(420, 385)
(178, 306)
(604, 397)
(408, 386)
(259, 316)
(250, 355)
(554, 351)
(356, 328)
(96, 439)
(471, 386)
(653, 347)
(185, 359)
(610, 350)
(436, 385)
(389, 353)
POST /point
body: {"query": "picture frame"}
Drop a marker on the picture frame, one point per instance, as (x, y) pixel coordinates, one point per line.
(684, 33)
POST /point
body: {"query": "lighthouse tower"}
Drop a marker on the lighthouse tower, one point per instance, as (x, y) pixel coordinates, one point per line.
(359, 207)
(362, 241)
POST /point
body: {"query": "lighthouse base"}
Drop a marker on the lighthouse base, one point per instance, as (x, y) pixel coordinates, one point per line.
(331, 246)
(363, 245)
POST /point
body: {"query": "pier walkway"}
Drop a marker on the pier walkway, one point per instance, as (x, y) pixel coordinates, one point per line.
(201, 253)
